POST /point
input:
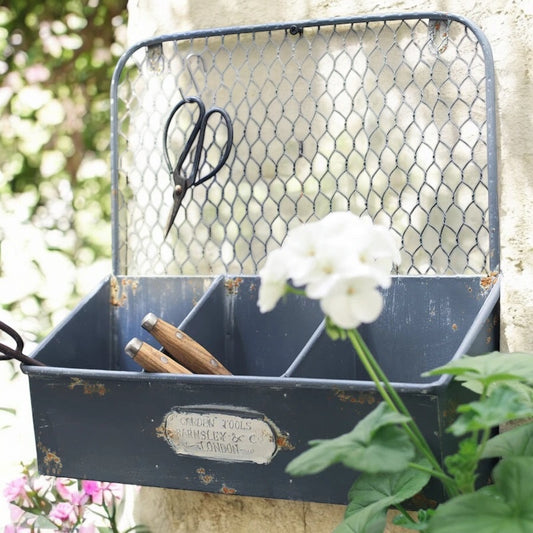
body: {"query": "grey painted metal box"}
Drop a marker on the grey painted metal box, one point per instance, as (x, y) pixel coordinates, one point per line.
(390, 116)
(101, 418)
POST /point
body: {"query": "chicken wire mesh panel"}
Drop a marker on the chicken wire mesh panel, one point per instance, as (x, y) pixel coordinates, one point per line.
(390, 117)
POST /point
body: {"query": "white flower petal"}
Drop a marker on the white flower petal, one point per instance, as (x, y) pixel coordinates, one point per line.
(352, 302)
(273, 280)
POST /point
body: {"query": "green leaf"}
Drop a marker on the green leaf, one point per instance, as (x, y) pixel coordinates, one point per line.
(376, 444)
(372, 519)
(387, 488)
(483, 370)
(515, 442)
(421, 525)
(502, 405)
(463, 464)
(504, 507)
(372, 494)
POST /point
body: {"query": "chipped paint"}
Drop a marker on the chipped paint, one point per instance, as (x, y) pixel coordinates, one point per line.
(282, 442)
(204, 477)
(232, 285)
(88, 388)
(51, 460)
(119, 291)
(489, 281)
(160, 431)
(363, 398)
(421, 501)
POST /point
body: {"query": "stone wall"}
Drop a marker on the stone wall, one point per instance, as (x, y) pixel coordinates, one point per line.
(507, 24)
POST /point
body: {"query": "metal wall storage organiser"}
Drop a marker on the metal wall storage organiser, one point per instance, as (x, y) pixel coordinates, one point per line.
(391, 116)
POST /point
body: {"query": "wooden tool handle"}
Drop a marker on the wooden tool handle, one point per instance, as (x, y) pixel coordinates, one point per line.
(151, 359)
(182, 347)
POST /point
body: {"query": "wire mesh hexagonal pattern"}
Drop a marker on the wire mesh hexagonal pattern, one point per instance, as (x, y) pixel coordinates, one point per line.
(387, 116)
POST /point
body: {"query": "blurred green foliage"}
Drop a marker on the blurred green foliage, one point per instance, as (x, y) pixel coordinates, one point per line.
(56, 63)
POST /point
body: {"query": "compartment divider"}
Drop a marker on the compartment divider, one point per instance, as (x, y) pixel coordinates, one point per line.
(313, 339)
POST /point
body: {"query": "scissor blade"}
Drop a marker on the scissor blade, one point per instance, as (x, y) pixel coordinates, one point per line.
(178, 193)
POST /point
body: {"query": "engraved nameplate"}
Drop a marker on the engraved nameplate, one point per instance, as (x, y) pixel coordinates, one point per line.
(221, 433)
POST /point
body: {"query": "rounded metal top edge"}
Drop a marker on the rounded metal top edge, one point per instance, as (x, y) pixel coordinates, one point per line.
(281, 383)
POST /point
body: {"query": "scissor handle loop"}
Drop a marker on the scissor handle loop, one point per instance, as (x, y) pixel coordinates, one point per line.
(227, 145)
(190, 140)
(199, 129)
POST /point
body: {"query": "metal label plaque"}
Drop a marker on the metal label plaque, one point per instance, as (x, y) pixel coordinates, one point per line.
(221, 433)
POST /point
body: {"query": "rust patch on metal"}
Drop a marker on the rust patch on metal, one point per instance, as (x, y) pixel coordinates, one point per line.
(360, 398)
(88, 388)
(204, 477)
(232, 285)
(421, 501)
(454, 327)
(227, 490)
(282, 442)
(160, 431)
(119, 291)
(51, 460)
(489, 281)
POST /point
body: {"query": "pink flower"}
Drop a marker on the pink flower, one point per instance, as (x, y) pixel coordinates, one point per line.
(113, 490)
(93, 489)
(16, 491)
(99, 490)
(89, 528)
(62, 487)
(63, 512)
(66, 488)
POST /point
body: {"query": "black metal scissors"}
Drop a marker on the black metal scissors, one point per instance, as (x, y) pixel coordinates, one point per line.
(182, 182)
(15, 353)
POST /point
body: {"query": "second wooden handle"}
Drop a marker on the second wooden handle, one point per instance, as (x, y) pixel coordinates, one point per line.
(151, 359)
(182, 347)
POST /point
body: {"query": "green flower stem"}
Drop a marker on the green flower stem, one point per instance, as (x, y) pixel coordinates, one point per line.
(398, 403)
(289, 289)
(439, 474)
(111, 516)
(389, 395)
(355, 339)
(392, 398)
(402, 510)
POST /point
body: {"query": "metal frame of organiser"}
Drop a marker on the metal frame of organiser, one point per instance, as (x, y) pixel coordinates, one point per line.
(391, 116)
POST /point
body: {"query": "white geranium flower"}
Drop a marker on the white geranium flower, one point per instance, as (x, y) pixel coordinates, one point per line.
(340, 260)
(273, 280)
(332, 262)
(302, 246)
(351, 302)
(377, 249)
